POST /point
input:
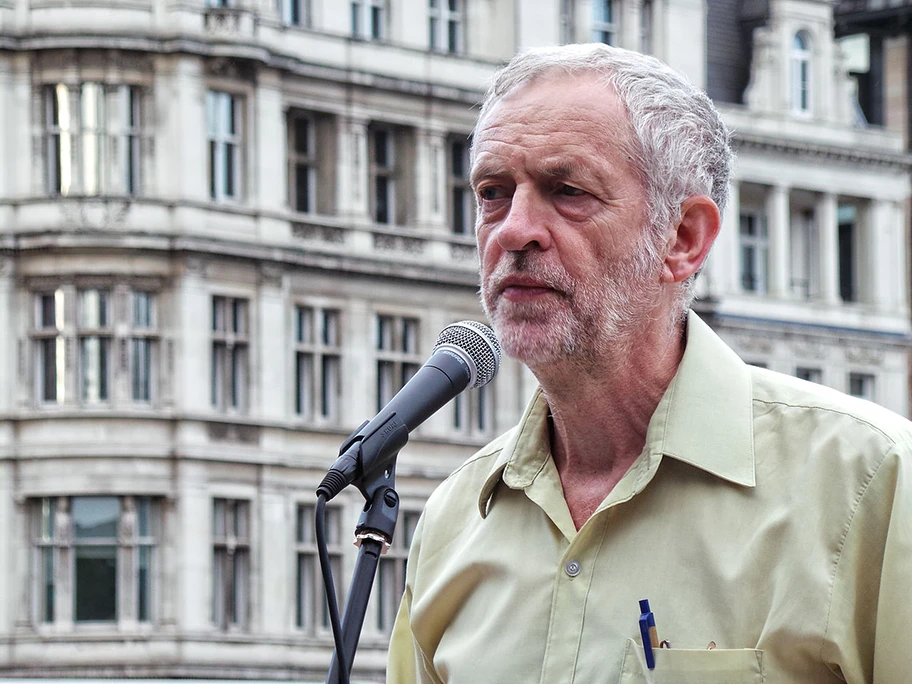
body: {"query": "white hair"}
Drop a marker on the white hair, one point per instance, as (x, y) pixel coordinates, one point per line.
(679, 145)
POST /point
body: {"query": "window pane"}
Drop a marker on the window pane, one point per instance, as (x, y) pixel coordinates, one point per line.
(304, 385)
(96, 583)
(47, 584)
(48, 353)
(381, 200)
(302, 188)
(141, 358)
(144, 578)
(95, 517)
(302, 135)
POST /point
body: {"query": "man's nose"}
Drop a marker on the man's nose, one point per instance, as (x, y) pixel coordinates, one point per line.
(526, 226)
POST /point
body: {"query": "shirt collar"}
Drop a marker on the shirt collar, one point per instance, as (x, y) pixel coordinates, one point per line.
(705, 419)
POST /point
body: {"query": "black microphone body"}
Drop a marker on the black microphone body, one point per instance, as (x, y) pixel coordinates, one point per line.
(375, 444)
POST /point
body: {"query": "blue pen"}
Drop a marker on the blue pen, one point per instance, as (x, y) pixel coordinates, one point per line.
(648, 633)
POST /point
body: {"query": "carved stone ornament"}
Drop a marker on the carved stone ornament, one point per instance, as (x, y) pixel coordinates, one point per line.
(101, 213)
(755, 343)
(871, 356)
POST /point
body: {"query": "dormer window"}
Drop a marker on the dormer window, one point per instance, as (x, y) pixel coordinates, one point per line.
(801, 73)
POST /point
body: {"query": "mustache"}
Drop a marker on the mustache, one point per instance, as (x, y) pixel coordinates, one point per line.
(525, 264)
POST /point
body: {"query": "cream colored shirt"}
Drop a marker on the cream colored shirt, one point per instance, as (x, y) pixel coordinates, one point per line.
(766, 514)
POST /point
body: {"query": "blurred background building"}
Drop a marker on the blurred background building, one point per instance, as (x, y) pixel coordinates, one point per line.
(230, 231)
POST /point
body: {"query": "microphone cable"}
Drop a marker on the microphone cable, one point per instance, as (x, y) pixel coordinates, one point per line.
(329, 587)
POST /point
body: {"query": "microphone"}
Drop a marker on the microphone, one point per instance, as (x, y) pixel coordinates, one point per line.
(466, 355)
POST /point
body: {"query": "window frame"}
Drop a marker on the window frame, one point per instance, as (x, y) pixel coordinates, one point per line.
(306, 159)
(800, 76)
(385, 171)
(233, 611)
(459, 186)
(318, 398)
(224, 112)
(311, 608)
(93, 151)
(603, 26)
(369, 20)
(396, 349)
(759, 245)
(446, 26)
(230, 348)
(54, 545)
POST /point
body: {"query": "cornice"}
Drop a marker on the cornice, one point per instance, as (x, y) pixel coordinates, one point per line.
(899, 161)
(240, 49)
(101, 241)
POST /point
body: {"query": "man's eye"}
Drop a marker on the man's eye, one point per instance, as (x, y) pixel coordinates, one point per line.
(570, 191)
(490, 193)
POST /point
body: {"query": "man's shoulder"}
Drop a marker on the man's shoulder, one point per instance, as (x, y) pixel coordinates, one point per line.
(811, 405)
(463, 486)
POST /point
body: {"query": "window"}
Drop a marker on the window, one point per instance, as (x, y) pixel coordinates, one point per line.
(462, 201)
(847, 215)
(473, 411)
(801, 73)
(231, 562)
(368, 19)
(143, 345)
(646, 26)
(94, 331)
(318, 360)
(92, 139)
(809, 374)
(312, 613)
(89, 552)
(391, 571)
(567, 21)
(804, 255)
(603, 22)
(754, 252)
(861, 385)
(223, 116)
(302, 161)
(397, 355)
(445, 25)
(383, 174)
(230, 344)
(296, 12)
(93, 366)
(49, 347)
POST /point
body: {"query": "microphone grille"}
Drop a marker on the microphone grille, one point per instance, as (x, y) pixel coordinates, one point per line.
(479, 342)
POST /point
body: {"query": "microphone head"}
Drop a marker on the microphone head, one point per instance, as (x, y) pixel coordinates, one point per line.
(478, 345)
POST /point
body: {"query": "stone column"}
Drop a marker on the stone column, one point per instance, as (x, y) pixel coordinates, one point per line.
(431, 177)
(270, 390)
(827, 225)
(727, 254)
(353, 197)
(899, 247)
(777, 211)
(268, 173)
(882, 267)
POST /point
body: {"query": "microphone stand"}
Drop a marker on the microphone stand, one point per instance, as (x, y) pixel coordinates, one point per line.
(373, 535)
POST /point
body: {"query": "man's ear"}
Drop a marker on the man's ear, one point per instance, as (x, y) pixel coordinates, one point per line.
(690, 241)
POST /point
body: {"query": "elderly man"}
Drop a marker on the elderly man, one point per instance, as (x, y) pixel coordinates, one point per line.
(767, 520)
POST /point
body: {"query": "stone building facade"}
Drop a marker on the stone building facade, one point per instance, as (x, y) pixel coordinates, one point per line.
(229, 231)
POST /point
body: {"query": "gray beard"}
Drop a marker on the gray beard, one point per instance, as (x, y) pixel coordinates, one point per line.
(582, 320)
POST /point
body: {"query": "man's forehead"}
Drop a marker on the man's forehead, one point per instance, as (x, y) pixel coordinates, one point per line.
(555, 92)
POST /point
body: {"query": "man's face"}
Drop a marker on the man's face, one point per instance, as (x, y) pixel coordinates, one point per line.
(566, 268)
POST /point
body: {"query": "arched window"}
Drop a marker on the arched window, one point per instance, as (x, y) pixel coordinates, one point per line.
(801, 73)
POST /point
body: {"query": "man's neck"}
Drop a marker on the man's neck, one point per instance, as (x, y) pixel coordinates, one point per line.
(601, 410)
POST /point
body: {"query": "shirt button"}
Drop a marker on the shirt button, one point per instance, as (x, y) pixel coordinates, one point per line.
(572, 568)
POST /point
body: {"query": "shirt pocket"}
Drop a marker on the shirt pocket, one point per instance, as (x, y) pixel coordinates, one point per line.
(688, 666)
